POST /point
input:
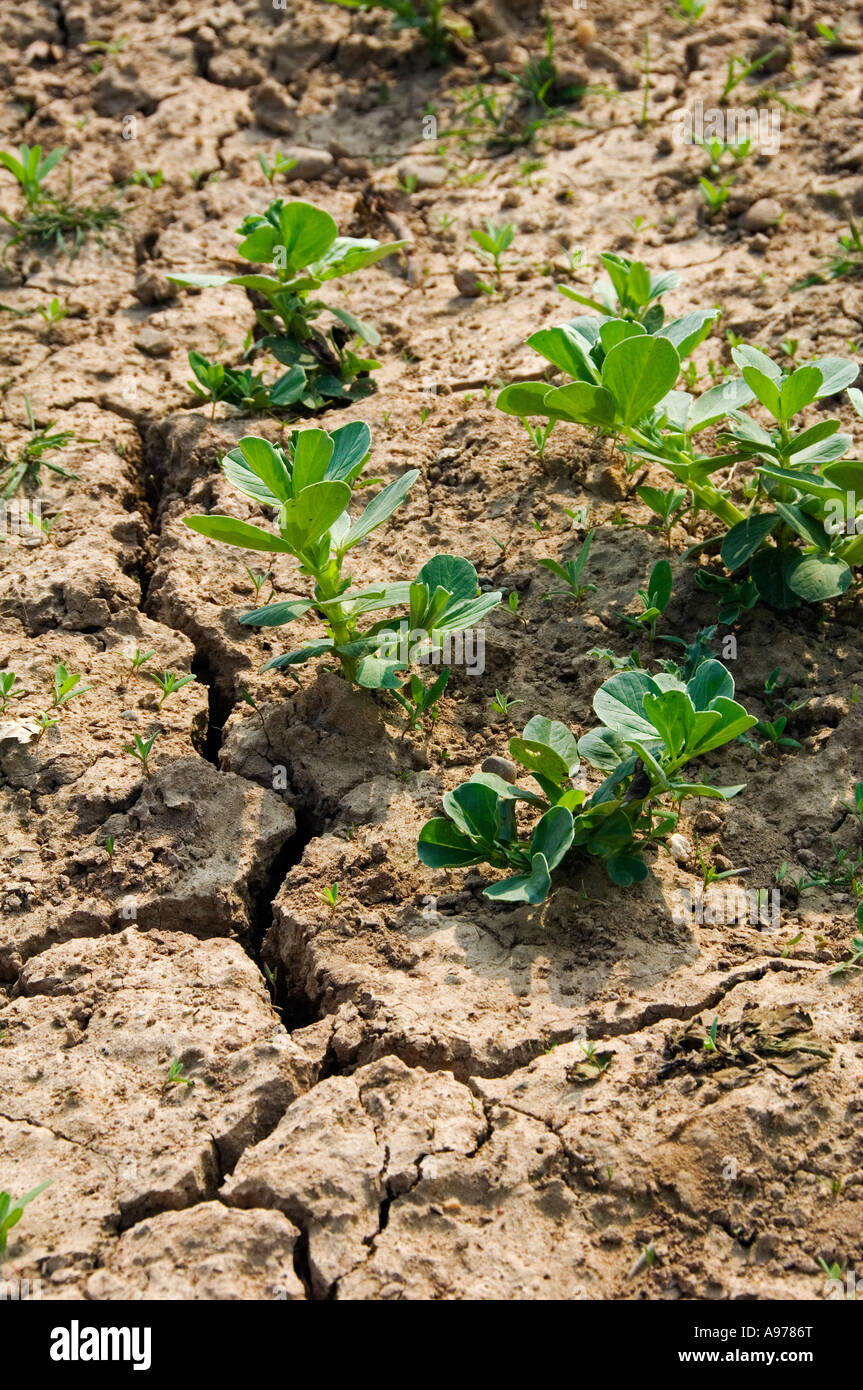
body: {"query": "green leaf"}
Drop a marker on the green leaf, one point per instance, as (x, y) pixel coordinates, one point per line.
(276, 614)
(710, 681)
(309, 515)
(745, 356)
(659, 585)
(625, 869)
(716, 403)
(379, 673)
(619, 703)
(603, 748)
(311, 451)
(687, 332)
(266, 464)
(523, 888)
(555, 735)
(799, 390)
(733, 721)
(452, 573)
(638, 373)
(552, 836)
(565, 348)
(837, 373)
(200, 282)
(525, 398)
(288, 388)
(232, 532)
(351, 446)
(746, 537)
(768, 569)
(582, 404)
(765, 390)
(306, 233)
(300, 656)
(816, 578)
(362, 329)
(442, 846)
(473, 808)
(806, 526)
(347, 254)
(380, 508)
(241, 477)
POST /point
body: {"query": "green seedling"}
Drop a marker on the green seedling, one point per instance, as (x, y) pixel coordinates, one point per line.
(716, 195)
(258, 582)
(44, 722)
(570, 573)
(645, 85)
(280, 165)
(666, 504)
(175, 1075)
(9, 689)
(788, 948)
(440, 27)
(310, 485)
(54, 312)
(794, 541)
(110, 844)
(169, 682)
(12, 1211)
(50, 220)
(24, 471)
(654, 600)
(66, 687)
(710, 873)
(649, 732)
(502, 704)
(709, 1042)
(600, 1060)
(493, 242)
(715, 149)
(740, 68)
(417, 699)
(512, 602)
(773, 731)
(330, 894)
(31, 171)
(856, 961)
(302, 250)
(138, 658)
(846, 262)
(833, 1271)
(408, 184)
(142, 179)
(141, 749)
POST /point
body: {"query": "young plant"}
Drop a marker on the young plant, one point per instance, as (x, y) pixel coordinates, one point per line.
(709, 1041)
(689, 10)
(175, 1075)
(310, 484)
(570, 573)
(418, 700)
(654, 600)
(502, 704)
(300, 243)
(773, 731)
(24, 471)
(168, 683)
(9, 689)
(54, 312)
(716, 194)
(49, 219)
(651, 728)
(142, 179)
(138, 658)
(330, 894)
(439, 25)
(793, 539)
(846, 262)
(666, 504)
(12, 1211)
(44, 722)
(280, 165)
(258, 581)
(66, 687)
(492, 242)
(141, 749)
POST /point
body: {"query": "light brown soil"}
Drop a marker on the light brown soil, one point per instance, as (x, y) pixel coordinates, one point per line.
(390, 1098)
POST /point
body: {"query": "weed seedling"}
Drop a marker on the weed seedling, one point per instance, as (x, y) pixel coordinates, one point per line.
(709, 1042)
(330, 894)
(12, 1211)
(689, 10)
(109, 846)
(773, 731)
(44, 721)
(492, 242)
(24, 472)
(168, 683)
(137, 659)
(417, 699)
(9, 689)
(740, 68)
(856, 961)
(665, 503)
(280, 165)
(502, 704)
(141, 749)
(66, 687)
(175, 1075)
(258, 582)
(654, 600)
(440, 27)
(54, 312)
(51, 220)
(716, 195)
(570, 573)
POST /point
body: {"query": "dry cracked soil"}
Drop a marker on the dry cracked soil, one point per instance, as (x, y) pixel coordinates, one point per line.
(236, 1089)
